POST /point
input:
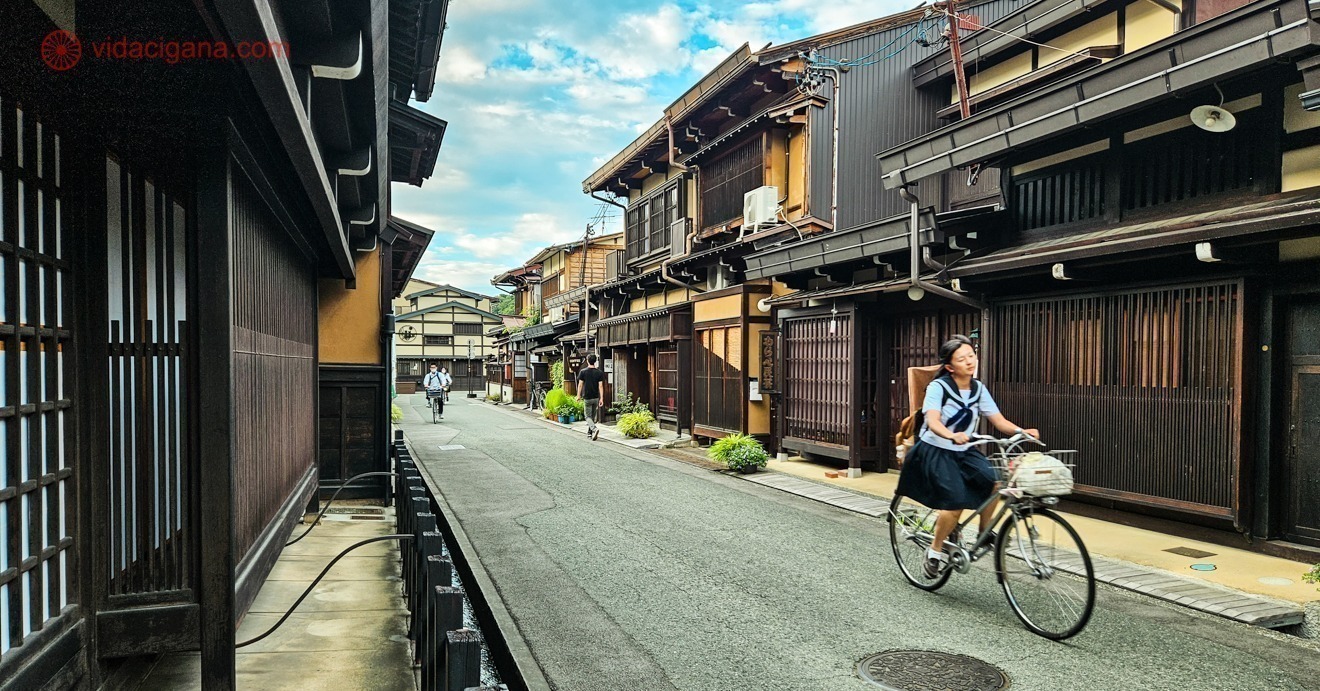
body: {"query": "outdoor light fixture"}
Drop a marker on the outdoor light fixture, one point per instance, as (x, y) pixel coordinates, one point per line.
(1060, 273)
(915, 293)
(1206, 252)
(1214, 118)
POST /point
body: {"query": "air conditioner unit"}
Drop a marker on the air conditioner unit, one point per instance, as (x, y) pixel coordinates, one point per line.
(760, 207)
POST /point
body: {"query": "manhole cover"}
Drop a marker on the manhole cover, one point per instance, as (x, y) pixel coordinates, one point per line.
(922, 670)
(1190, 552)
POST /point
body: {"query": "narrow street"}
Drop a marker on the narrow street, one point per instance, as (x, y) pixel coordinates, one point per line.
(627, 570)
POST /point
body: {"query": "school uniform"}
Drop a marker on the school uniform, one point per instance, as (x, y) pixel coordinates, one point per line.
(938, 472)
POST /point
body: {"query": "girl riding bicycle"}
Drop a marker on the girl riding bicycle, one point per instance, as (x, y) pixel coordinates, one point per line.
(943, 471)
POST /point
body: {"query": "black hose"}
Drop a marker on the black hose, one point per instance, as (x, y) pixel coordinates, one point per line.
(324, 571)
(332, 500)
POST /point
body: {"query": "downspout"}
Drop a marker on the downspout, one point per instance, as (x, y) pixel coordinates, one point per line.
(834, 160)
(692, 234)
(914, 255)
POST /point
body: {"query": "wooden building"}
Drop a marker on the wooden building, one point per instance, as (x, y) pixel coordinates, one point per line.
(163, 227)
(550, 291)
(1154, 265)
(447, 326)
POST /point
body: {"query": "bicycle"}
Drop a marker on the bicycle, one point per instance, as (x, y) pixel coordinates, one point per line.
(433, 402)
(536, 400)
(1040, 561)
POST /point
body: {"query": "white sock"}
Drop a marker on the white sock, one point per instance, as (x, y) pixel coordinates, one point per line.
(932, 554)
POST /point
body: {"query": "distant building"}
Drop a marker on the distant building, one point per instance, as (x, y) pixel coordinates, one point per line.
(444, 325)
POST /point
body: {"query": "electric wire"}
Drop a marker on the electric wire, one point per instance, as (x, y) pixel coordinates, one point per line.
(991, 29)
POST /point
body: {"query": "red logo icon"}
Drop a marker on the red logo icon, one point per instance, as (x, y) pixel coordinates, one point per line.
(61, 50)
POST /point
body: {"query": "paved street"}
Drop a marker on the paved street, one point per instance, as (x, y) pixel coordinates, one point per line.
(627, 570)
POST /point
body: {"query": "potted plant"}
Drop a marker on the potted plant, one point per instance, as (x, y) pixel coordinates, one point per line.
(554, 399)
(565, 413)
(579, 409)
(739, 453)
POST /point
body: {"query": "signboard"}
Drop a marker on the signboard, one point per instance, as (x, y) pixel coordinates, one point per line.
(769, 361)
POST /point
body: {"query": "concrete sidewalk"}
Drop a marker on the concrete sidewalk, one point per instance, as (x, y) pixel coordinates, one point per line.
(350, 632)
(663, 439)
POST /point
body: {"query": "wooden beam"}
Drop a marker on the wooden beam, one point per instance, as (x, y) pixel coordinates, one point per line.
(215, 422)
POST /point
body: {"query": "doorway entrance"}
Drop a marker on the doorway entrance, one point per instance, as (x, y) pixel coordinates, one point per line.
(1303, 423)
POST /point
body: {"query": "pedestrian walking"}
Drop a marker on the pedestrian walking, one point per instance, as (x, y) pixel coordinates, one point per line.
(589, 379)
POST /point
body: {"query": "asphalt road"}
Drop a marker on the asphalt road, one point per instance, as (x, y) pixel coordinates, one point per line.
(627, 570)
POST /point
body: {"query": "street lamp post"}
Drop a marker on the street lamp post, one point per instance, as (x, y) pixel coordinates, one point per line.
(471, 393)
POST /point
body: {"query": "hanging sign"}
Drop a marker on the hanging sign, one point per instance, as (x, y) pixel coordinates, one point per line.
(769, 360)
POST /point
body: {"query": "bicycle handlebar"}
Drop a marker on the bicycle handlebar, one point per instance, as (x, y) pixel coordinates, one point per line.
(1018, 438)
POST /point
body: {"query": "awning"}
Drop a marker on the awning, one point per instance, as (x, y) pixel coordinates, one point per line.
(567, 297)
(408, 242)
(886, 237)
(415, 139)
(1171, 234)
(543, 332)
(892, 285)
(1250, 38)
(656, 324)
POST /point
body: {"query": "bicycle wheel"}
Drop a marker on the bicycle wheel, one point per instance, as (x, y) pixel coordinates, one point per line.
(911, 527)
(1046, 573)
(435, 411)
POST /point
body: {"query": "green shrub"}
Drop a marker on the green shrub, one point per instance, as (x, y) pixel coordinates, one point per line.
(494, 397)
(396, 413)
(579, 407)
(564, 410)
(628, 404)
(553, 399)
(1312, 576)
(637, 425)
(557, 374)
(738, 452)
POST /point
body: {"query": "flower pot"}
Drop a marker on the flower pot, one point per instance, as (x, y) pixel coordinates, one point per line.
(749, 469)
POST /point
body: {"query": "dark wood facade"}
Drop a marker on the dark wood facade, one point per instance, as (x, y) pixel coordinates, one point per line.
(161, 231)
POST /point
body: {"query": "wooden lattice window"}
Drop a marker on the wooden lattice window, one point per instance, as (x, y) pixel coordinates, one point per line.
(666, 383)
(717, 398)
(1109, 374)
(1067, 193)
(437, 340)
(649, 220)
(1190, 163)
(725, 180)
(818, 360)
(37, 484)
(464, 329)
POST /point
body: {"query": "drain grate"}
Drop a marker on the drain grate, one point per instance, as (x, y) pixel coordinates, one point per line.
(1190, 552)
(914, 670)
(356, 509)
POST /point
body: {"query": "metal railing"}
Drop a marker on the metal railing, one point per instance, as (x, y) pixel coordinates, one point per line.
(448, 653)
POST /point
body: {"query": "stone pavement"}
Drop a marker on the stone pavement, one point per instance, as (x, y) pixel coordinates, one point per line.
(622, 569)
(350, 633)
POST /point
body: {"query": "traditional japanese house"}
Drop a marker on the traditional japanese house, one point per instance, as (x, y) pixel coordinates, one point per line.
(643, 324)
(444, 325)
(1150, 284)
(550, 289)
(792, 125)
(163, 225)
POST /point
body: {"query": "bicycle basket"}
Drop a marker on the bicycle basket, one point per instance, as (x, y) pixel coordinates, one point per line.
(1041, 475)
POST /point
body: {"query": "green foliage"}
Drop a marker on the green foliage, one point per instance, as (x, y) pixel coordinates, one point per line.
(628, 404)
(637, 425)
(1312, 576)
(504, 305)
(553, 399)
(738, 452)
(557, 374)
(533, 314)
(579, 407)
(565, 409)
(494, 397)
(396, 413)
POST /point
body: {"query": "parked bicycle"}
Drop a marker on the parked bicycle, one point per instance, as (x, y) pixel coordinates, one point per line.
(1040, 561)
(536, 399)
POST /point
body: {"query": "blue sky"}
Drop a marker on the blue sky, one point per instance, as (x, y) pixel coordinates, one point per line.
(539, 93)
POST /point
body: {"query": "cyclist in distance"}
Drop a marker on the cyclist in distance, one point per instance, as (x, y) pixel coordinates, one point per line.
(435, 382)
(943, 471)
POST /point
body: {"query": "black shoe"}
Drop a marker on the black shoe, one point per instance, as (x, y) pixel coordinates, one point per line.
(595, 434)
(934, 567)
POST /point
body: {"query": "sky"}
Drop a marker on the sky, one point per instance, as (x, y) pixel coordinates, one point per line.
(538, 94)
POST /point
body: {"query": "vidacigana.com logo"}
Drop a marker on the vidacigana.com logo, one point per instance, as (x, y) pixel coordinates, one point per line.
(61, 50)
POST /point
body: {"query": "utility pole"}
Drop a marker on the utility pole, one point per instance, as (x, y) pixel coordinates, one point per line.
(955, 49)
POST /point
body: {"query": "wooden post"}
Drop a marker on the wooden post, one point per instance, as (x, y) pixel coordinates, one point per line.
(462, 660)
(216, 422)
(446, 614)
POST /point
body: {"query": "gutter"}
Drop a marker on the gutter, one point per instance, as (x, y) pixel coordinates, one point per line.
(919, 287)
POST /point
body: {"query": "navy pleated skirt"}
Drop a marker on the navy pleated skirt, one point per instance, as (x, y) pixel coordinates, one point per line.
(944, 479)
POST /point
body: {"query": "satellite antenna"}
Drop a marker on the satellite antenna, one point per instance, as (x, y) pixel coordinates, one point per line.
(1214, 118)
